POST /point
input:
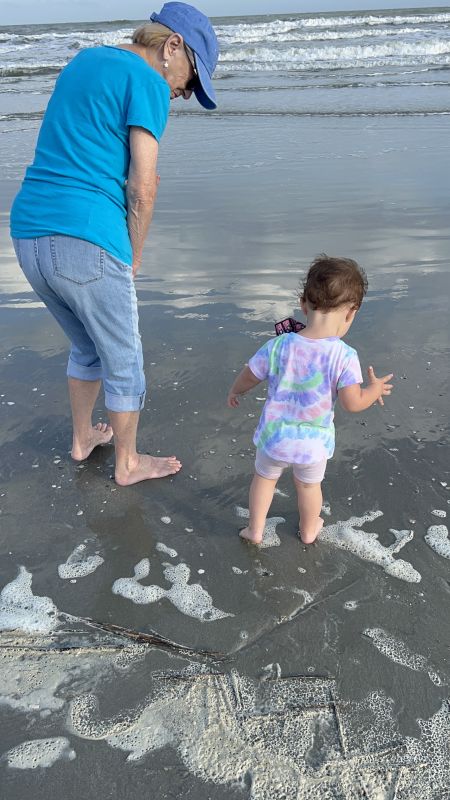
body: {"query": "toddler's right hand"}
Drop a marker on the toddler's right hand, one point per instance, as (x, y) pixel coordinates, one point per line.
(384, 387)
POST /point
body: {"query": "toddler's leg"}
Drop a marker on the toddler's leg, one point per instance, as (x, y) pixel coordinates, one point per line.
(260, 499)
(309, 497)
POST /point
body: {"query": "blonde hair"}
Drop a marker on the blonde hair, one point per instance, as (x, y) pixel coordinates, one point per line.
(151, 34)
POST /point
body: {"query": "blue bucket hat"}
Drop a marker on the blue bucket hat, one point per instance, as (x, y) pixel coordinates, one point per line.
(198, 33)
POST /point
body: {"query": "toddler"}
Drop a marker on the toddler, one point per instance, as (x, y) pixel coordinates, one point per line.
(306, 372)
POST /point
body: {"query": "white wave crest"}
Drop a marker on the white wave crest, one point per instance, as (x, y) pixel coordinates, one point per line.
(255, 36)
(245, 31)
(30, 67)
(298, 43)
(339, 56)
(69, 36)
(372, 19)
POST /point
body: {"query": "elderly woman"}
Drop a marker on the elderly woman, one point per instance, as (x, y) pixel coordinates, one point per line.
(80, 220)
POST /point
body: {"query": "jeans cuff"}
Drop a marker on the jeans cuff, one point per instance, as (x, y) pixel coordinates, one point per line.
(120, 402)
(83, 373)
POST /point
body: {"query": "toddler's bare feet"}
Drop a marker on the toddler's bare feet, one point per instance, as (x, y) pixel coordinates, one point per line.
(246, 533)
(99, 434)
(307, 538)
(147, 467)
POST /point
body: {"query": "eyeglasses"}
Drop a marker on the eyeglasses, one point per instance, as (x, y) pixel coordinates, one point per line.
(193, 83)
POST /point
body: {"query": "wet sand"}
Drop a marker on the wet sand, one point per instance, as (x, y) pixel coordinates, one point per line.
(333, 653)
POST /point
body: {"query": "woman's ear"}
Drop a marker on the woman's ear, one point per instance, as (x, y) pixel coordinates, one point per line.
(172, 44)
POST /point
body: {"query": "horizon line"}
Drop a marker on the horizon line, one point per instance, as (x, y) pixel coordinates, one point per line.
(234, 16)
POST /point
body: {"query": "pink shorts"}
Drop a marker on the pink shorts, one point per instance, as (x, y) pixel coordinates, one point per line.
(306, 473)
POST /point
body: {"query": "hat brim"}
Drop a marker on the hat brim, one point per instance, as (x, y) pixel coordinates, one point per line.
(204, 91)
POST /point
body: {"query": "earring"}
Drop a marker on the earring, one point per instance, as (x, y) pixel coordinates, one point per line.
(165, 64)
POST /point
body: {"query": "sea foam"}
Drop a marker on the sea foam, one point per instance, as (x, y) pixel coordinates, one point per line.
(39, 753)
(348, 535)
(20, 609)
(437, 538)
(78, 564)
(190, 599)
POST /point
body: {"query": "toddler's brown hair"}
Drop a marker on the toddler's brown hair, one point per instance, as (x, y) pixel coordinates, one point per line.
(333, 282)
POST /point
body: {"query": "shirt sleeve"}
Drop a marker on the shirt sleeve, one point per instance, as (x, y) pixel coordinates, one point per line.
(260, 362)
(148, 106)
(351, 372)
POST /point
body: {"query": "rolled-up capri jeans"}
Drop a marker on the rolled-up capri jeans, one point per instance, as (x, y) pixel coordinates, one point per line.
(91, 295)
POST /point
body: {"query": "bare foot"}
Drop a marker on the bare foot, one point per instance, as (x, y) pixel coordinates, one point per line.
(245, 533)
(308, 539)
(100, 434)
(148, 467)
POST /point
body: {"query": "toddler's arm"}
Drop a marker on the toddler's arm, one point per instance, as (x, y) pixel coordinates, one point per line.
(355, 398)
(245, 381)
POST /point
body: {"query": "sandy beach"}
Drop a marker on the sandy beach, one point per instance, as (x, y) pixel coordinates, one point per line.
(144, 644)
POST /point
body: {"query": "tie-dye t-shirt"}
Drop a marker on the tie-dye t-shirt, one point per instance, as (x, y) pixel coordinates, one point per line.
(304, 376)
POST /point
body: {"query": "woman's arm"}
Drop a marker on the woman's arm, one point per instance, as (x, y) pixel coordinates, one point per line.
(142, 186)
(245, 381)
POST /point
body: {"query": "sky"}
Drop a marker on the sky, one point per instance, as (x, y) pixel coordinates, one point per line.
(15, 12)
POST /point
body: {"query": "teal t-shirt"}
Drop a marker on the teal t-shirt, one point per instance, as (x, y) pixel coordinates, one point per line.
(76, 184)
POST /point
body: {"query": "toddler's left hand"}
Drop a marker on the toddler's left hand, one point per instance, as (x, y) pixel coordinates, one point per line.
(385, 387)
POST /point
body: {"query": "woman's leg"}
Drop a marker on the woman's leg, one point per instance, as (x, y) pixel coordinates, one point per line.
(35, 258)
(83, 396)
(131, 466)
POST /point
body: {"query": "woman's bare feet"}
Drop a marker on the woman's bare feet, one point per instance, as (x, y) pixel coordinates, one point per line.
(147, 467)
(246, 533)
(100, 434)
(307, 538)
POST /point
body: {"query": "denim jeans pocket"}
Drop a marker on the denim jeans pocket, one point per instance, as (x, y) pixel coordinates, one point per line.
(76, 260)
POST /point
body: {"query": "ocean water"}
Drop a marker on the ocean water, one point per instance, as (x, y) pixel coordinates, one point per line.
(392, 62)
